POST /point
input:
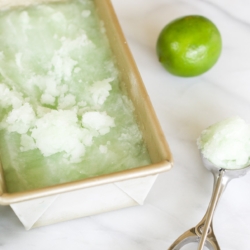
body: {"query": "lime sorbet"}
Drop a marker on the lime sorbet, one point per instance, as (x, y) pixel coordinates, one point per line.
(227, 143)
(63, 116)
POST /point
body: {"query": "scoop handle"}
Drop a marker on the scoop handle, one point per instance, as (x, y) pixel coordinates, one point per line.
(219, 186)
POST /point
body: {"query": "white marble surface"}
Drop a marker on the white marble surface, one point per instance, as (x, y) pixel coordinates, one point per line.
(184, 106)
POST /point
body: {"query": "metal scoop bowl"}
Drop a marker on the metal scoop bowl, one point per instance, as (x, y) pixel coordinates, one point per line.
(203, 232)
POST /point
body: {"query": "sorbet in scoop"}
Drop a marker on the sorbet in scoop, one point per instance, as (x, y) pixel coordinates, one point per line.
(227, 143)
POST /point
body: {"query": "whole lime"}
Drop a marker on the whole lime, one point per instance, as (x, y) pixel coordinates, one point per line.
(189, 46)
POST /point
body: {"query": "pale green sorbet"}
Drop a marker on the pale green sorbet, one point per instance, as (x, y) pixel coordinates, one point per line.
(63, 116)
(226, 143)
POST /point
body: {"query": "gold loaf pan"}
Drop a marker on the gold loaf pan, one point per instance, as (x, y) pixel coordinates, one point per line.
(152, 133)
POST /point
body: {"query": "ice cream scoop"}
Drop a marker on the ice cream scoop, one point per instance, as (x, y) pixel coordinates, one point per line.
(203, 232)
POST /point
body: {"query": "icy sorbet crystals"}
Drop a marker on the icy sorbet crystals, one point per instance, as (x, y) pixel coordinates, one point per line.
(227, 143)
(63, 116)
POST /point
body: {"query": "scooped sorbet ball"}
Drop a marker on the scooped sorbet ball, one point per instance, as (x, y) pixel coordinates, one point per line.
(226, 143)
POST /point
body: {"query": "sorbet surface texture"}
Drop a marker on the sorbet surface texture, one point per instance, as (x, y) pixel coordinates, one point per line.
(63, 116)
